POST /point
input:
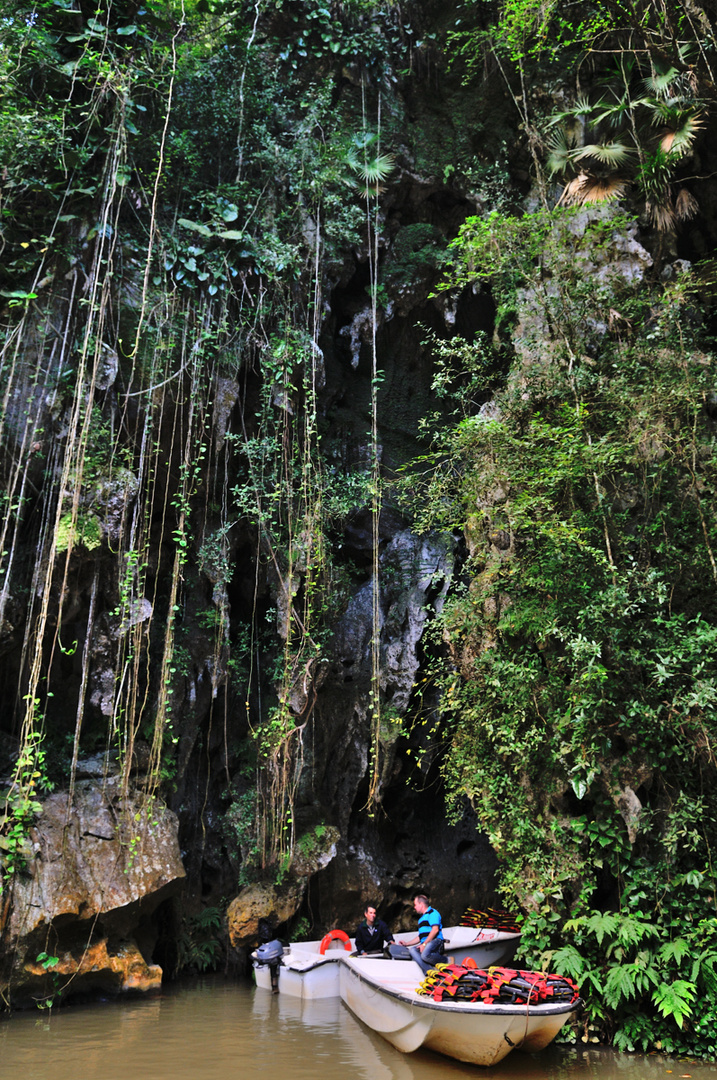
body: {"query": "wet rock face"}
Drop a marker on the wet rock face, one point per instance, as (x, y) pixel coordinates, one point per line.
(258, 902)
(408, 847)
(414, 572)
(277, 904)
(622, 262)
(98, 866)
(411, 849)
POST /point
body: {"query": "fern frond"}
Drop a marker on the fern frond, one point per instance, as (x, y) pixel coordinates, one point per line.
(632, 931)
(602, 923)
(675, 999)
(703, 968)
(620, 984)
(568, 961)
(594, 979)
(675, 950)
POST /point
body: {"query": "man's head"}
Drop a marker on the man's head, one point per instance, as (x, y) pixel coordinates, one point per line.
(420, 904)
(370, 914)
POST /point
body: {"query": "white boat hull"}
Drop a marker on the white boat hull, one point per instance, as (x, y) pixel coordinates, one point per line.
(385, 999)
(305, 974)
(312, 983)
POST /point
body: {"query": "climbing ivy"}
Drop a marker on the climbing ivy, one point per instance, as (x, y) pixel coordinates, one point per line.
(582, 681)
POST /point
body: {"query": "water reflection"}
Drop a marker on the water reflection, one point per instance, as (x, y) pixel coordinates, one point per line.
(220, 1030)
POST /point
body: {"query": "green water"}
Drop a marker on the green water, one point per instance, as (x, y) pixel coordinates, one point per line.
(219, 1030)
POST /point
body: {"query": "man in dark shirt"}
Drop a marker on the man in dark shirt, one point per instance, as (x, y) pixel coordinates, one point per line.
(372, 934)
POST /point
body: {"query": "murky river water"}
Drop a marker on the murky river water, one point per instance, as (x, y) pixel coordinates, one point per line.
(223, 1030)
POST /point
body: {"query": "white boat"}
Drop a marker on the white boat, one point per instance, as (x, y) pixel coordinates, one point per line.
(382, 994)
(304, 972)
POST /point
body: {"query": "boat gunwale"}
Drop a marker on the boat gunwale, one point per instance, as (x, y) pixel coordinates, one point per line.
(471, 1007)
(319, 962)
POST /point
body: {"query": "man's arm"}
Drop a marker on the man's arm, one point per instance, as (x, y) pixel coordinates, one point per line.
(386, 933)
(433, 932)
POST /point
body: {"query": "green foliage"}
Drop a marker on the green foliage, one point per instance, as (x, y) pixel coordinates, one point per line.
(198, 949)
(22, 805)
(642, 129)
(55, 60)
(639, 991)
(526, 31)
(48, 963)
(416, 250)
(309, 844)
(675, 1000)
(240, 829)
(365, 158)
(367, 34)
(85, 531)
(301, 930)
(579, 694)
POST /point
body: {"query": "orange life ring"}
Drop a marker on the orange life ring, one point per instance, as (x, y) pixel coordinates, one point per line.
(335, 935)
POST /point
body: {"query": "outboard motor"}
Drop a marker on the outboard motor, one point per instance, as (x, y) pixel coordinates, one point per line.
(270, 953)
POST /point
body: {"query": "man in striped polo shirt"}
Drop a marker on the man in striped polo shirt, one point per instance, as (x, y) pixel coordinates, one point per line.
(427, 949)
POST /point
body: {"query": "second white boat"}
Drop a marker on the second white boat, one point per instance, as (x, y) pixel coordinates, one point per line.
(304, 971)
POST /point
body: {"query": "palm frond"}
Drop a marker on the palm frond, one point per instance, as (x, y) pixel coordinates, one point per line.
(665, 112)
(583, 107)
(678, 141)
(579, 110)
(659, 83)
(373, 170)
(672, 111)
(661, 214)
(620, 75)
(592, 189)
(364, 159)
(688, 51)
(614, 154)
(621, 111)
(561, 147)
(686, 205)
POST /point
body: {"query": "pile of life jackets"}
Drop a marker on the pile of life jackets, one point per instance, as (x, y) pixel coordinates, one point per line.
(492, 918)
(496, 985)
